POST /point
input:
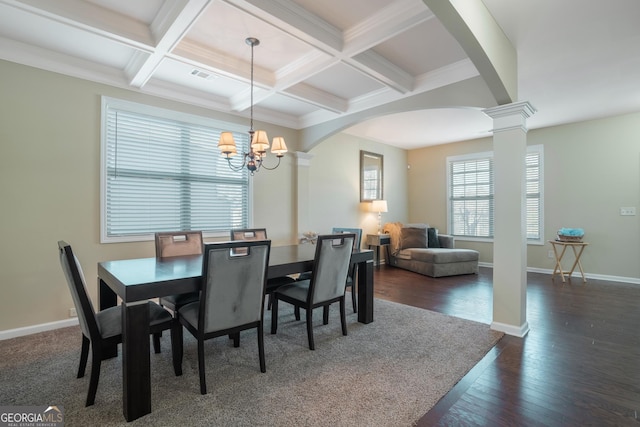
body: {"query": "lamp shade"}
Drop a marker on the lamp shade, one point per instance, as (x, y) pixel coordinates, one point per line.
(226, 144)
(379, 206)
(260, 141)
(279, 147)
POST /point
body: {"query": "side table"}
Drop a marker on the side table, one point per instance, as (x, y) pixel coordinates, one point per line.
(379, 241)
(577, 247)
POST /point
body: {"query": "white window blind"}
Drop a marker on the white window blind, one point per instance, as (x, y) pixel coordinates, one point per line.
(163, 174)
(471, 195)
(471, 200)
(534, 193)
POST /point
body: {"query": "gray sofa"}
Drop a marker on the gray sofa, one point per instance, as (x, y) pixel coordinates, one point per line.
(419, 248)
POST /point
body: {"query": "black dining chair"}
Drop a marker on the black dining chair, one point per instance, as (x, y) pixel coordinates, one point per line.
(103, 329)
(178, 243)
(351, 277)
(326, 286)
(232, 297)
(261, 234)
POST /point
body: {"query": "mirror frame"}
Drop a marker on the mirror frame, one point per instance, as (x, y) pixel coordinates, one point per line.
(371, 161)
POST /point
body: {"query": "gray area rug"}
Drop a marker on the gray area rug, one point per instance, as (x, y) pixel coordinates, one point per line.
(387, 373)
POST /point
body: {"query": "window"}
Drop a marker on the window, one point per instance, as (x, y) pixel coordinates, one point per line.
(162, 171)
(470, 189)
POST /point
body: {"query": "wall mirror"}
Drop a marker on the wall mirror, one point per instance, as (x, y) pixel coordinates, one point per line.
(371, 173)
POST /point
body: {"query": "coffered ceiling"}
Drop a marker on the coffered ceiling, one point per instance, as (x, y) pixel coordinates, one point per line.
(322, 60)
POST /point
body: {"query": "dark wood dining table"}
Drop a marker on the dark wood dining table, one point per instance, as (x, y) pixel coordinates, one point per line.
(137, 280)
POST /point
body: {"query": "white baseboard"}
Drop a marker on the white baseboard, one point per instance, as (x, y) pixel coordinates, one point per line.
(516, 331)
(632, 280)
(28, 330)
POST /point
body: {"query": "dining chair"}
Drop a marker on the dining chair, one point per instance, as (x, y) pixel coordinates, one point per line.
(232, 297)
(326, 286)
(261, 234)
(178, 243)
(103, 329)
(351, 277)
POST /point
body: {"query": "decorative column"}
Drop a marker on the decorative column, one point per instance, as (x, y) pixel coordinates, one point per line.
(510, 227)
(303, 161)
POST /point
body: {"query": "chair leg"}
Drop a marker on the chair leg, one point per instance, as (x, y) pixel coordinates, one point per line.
(96, 361)
(343, 316)
(156, 342)
(236, 339)
(203, 382)
(325, 314)
(296, 312)
(263, 365)
(84, 355)
(176, 347)
(310, 328)
(353, 297)
(270, 301)
(274, 316)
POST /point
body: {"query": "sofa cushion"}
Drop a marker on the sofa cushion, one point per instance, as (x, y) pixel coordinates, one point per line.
(432, 238)
(413, 237)
(440, 255)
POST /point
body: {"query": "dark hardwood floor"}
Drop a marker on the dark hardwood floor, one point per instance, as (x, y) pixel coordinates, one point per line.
(578, 365)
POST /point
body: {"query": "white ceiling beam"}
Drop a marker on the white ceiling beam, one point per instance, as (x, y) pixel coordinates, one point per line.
(89, 17)
(318, 98)
(383, 71)
(169, 27)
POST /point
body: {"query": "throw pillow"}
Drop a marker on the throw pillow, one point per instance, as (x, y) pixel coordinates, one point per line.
(432, 238)
(412, 237)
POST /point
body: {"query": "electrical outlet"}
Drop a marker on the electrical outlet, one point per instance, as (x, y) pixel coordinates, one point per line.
(628, 211)
(550, 254)
(72, 312)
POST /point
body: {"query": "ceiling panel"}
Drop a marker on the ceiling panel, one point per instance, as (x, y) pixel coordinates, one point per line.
(343, 81)
(225, 28)
(142, 10)
(432, 47)
(181, 74)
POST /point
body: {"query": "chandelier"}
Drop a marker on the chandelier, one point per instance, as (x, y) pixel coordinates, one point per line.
(254, 159)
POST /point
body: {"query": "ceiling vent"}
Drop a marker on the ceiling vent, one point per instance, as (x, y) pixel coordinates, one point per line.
(203, 74)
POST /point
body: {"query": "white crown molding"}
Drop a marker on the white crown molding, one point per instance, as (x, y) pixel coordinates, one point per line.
(91, 18)
(295, 20)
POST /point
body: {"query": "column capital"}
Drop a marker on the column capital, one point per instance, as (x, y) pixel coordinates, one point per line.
(303, 159)
(510, 116)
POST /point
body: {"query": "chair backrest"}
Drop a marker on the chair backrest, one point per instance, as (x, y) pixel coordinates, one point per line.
(330, 266)
(357, 231)
(178, 243)
(356, 244)
(235, 274)
(249, 234)
(75, 279)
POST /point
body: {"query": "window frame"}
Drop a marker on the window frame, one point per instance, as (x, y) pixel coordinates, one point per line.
(539, 149)
(161, 113)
